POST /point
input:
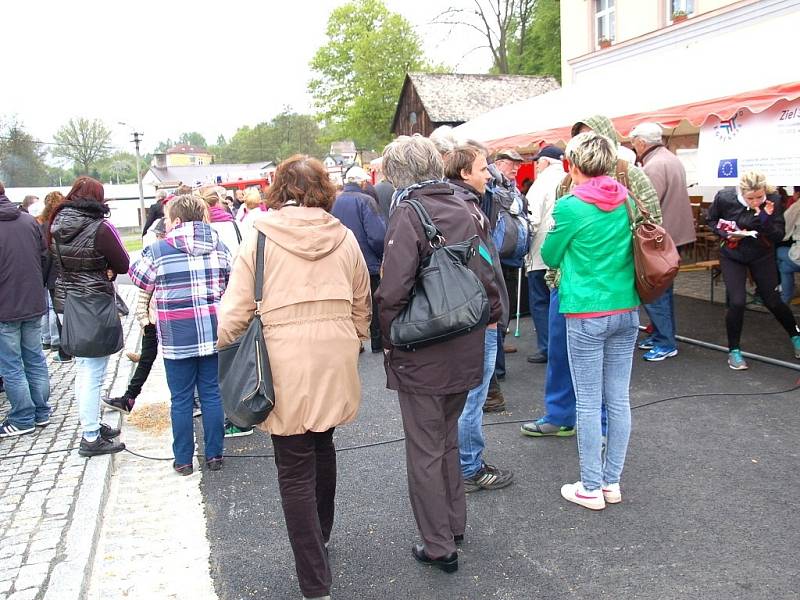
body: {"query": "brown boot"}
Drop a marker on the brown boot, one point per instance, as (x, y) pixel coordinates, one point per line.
(495, 401)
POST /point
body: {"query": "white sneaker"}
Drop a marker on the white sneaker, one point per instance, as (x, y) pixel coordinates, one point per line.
(611, 493)
(575, 492)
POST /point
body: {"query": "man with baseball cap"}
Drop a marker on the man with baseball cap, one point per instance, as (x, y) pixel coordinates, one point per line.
(668, 177)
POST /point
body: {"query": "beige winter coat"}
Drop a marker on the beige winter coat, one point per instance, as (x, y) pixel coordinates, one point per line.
(315, 311)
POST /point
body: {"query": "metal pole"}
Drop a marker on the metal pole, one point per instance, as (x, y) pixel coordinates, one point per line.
(519, 297)
(136, 140)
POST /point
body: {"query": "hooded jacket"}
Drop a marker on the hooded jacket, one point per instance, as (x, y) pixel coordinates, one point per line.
(638, 183)
(23, 254)
(590, 241)
(187, 273)
(314, 312)
(360, 214)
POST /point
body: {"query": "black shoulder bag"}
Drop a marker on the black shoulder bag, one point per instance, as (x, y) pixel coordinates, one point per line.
(245, 379)
(447, 300)
(91, 327)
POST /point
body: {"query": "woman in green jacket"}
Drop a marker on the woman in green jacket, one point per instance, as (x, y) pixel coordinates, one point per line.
(590, 242)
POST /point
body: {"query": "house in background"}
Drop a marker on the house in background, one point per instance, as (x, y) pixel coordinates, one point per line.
(167, 177)
(429, 100)
(182, 156)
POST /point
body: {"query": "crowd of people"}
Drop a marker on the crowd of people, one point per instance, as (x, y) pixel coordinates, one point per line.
(339, 267)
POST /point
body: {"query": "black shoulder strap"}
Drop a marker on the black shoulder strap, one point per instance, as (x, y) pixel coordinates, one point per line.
(238, 233)
(431, 231)
(259, 269)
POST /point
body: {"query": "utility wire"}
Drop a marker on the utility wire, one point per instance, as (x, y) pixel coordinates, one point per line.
(400, 439)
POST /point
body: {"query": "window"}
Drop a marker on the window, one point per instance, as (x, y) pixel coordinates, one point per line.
(679, 6)
(605, 23)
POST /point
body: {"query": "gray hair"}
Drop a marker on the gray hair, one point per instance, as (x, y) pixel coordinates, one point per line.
(591, 153)
(444, 138)
(650, 133)
(409, 160)
(161, 194)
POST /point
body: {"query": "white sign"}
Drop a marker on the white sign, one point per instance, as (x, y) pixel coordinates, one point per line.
(768, 142)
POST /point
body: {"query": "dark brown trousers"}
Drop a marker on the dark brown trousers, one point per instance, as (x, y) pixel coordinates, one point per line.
(435, 484)
(307, 479)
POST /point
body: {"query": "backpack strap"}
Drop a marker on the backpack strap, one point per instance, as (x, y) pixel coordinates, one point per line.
(262, 239)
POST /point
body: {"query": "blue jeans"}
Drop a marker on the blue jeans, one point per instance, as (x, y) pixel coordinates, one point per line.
(539, 304)
(24, 372)
(600, 358)
(89, 374)
(50, 333)
(662, 316)
(470, 423)
(786, 268)
(183, 376)
(559, 397)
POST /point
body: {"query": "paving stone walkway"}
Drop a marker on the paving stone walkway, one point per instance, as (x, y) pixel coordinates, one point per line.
(44, 544)
(153, 543)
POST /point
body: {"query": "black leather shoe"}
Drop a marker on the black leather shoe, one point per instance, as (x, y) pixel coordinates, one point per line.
(108, 433)
(537, 358)
(448, 564)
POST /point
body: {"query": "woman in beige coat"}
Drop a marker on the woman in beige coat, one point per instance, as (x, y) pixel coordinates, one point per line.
(315, 312)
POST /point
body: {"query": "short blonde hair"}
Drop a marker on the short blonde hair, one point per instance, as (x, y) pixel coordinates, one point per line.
(753, 181)
(252, 198)
(187, 207)
(591, 153)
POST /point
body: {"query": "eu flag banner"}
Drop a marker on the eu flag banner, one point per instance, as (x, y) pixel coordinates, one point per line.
(728, 168)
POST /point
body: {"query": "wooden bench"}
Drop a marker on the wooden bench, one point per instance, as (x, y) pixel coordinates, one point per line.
(712, 266)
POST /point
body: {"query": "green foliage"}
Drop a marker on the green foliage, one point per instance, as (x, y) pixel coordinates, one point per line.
(286, 134)
(193, 138)
(538, 51)
(360, 71)
(117, 168)
(21, 157)
(84, 142)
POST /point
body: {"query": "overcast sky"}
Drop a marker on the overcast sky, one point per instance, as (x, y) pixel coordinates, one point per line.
(175, 65)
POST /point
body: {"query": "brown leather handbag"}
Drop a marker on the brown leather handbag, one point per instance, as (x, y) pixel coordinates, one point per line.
(655, 257)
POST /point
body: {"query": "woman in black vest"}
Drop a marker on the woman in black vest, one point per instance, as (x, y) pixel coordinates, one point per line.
(91, 255)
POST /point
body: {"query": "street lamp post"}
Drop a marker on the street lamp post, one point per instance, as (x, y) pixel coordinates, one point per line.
(137, 137)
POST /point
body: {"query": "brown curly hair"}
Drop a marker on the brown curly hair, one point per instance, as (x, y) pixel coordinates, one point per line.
(51, 202)
(303, 179)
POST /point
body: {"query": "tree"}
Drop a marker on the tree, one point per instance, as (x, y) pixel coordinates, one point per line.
(192, 138)
(361, 68)
(524, 36)
(21, 157)
(120, 167)
(84, 142)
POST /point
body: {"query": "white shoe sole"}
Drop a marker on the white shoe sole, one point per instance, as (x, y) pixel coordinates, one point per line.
(568, 493)
(612, 497)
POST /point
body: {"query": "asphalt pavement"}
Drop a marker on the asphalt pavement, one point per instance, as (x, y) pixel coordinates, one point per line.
(709, 492)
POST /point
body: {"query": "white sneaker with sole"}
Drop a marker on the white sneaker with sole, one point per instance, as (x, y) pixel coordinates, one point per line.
(611, 493)
(575, 492)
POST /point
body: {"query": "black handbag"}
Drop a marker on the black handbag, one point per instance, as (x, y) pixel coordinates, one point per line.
(447, 300)
(91, 327)
(245, 379)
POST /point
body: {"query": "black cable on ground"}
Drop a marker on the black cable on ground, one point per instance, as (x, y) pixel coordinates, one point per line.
(400, 439)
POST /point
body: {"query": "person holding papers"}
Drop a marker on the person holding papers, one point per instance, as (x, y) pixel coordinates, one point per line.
(749, 221)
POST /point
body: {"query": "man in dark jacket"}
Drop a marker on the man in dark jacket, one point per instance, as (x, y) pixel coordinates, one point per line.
(360, 214)
(22, 303)
(385, 191)
(466, 170)
(431, 382)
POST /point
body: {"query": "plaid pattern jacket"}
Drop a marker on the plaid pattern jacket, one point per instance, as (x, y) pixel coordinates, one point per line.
(187, 273)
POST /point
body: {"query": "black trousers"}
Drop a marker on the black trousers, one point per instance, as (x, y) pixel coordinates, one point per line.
(148, 357)
(433, 466)
(765, 274)
(306, 466)
(375, 325)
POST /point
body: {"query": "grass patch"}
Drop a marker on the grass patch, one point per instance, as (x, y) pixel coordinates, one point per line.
(132, 244)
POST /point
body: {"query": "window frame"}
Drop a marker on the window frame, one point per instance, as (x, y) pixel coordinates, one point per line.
(671, 10)
(610, 14)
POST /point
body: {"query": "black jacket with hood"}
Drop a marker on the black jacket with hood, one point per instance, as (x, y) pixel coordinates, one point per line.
(23, 253)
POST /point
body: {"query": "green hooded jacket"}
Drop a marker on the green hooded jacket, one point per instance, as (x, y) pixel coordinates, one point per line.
(638, 183)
